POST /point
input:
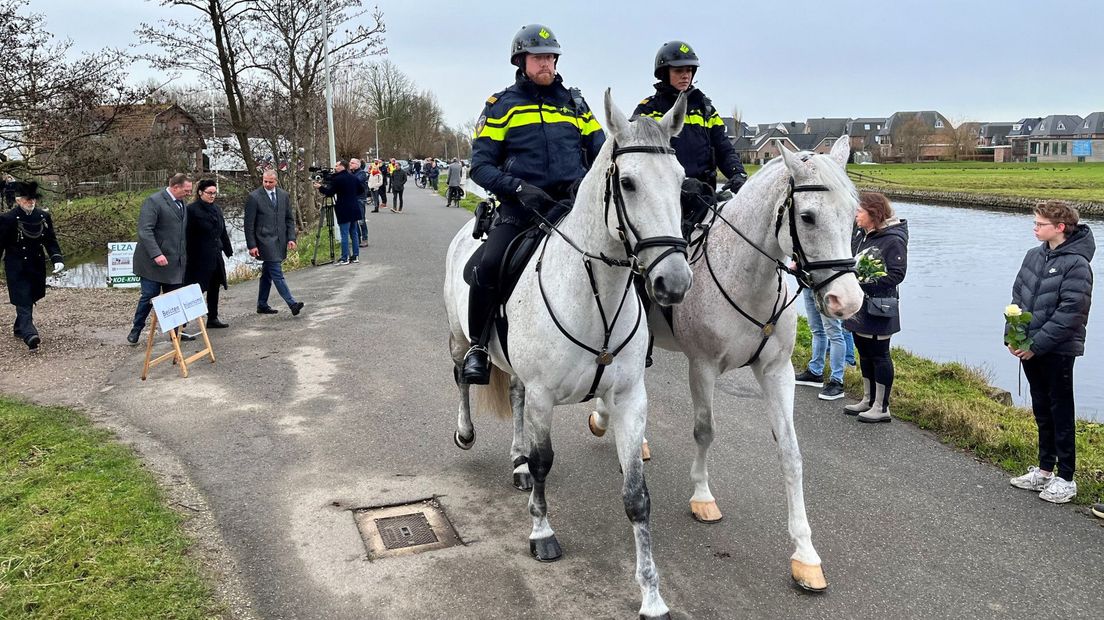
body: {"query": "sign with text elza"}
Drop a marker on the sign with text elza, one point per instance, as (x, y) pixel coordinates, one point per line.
(120, 265)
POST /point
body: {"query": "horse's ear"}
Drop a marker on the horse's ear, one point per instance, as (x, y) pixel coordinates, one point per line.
(672, 121)
(841, 150)
(616, 121)
(791, 160)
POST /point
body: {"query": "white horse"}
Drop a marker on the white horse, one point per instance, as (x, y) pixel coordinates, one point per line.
(740, 312)
(562, 348)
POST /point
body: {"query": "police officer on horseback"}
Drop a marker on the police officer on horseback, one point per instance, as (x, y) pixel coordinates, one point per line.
(533, 143)
(703, 146)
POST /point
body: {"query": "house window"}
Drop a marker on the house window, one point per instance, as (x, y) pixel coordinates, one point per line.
(938, 124)
(1046, 148)
(1034, 148)
(1061, 126)
(866, 126)
(1064, 146)
(1016, 127)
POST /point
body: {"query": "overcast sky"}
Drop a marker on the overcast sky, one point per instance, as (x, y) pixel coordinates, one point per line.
(983, 60)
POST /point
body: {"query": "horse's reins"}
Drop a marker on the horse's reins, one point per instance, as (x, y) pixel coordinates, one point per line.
(604, 356)
(801, 270)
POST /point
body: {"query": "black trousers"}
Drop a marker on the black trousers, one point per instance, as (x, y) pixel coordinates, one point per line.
(397, 202)
(875, 364)
(1051, 379)
(24, 322)
(213, 297)
(483, 294)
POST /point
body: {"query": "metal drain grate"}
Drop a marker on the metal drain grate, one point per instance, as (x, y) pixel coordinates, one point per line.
(405, 529)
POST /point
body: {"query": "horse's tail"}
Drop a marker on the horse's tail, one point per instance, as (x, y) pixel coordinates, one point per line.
(495, 396)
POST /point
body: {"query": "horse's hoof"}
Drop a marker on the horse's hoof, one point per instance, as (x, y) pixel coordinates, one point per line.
(666, 616)
(705, 512)
(809, 577)
(645, 453)
(545, 549)
(592, 423)
(523, 481)
(463, 444)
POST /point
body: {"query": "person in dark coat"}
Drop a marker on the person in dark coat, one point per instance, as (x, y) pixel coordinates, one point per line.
(160, 254)
(1054, 284)
(345, 188)
(27, 239)
(398, 181)
(884, 237)
(269, 234)
(207, 242)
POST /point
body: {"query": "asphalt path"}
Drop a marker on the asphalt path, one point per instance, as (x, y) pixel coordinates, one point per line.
(352, 404)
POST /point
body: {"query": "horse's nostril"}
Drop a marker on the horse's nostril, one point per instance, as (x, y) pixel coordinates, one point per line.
(658, 284)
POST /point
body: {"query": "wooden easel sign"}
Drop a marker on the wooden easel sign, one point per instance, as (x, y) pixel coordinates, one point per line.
(170, 311)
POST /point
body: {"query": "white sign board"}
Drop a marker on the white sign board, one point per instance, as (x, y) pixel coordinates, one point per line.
(120, 265)
(191, 299)
(170, 313)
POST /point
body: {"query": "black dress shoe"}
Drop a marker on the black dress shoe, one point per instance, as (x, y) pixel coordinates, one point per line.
(477, 367)
(132, 337)
(296, 308)
(266, 310)
(217, 324)
(184, 337)
(32, 342)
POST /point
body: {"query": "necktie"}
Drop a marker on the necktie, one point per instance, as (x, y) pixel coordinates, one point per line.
(180, 205)
(272, 198)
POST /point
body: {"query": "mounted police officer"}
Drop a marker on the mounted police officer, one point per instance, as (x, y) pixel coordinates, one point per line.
(703, 146)
(533, 143)
(27, 239)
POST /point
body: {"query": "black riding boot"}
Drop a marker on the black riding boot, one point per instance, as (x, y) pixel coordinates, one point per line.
(477, 363)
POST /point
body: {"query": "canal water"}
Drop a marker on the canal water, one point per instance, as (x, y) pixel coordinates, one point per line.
(961, 266)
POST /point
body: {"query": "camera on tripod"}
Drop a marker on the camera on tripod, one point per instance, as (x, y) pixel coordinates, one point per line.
(321, 175)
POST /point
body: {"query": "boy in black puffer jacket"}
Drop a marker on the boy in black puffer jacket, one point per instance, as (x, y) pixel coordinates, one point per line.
(1055, 285)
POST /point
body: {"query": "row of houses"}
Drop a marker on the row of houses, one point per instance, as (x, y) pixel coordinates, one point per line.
(928, 135)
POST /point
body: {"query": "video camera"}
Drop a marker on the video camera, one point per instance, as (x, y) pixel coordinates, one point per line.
(321, 175)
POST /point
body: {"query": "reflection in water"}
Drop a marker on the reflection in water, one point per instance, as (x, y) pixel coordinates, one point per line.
(91, 271)
(961, 266)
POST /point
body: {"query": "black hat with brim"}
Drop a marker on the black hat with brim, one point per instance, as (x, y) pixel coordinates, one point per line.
(27, 189)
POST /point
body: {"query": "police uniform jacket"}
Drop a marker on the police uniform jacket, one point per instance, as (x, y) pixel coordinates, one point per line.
(703, 146)
(544, 135)
(26, 241)
(161, 227)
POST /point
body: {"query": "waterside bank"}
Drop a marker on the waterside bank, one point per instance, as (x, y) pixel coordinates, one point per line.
(1021, 204)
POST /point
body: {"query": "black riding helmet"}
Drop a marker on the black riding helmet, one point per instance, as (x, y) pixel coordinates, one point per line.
(533, 39)
(674, 54)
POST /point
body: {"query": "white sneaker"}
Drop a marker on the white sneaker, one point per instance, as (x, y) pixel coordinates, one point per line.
(1033, 480)
(1059, 491)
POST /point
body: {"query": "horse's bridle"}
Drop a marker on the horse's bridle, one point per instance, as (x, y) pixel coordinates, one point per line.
(624, 224)
(801, 271)
(604, 356)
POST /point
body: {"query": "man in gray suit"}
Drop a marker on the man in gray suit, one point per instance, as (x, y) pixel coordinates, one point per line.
(269, 234)
(160, 253)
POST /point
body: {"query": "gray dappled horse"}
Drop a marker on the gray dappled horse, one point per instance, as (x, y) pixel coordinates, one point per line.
(798, 206)
(563, 346)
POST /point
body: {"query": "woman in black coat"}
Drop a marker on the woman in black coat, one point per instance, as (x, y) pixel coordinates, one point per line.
(207, 241)
(881, 235)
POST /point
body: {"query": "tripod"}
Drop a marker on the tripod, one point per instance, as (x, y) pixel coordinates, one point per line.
(325, 220)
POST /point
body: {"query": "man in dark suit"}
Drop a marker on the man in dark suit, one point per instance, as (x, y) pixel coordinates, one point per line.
(160, 255)
(27, 239)
(269, 234)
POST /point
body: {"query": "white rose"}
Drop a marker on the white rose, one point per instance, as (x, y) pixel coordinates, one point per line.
(1012, 310)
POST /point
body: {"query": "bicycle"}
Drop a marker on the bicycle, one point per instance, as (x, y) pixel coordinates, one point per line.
(454, 196)
(421, 181)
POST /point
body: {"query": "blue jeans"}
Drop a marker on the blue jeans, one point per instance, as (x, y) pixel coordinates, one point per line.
(350, 233)
(827, 338)
(272, 272)
(363, 224)
(849, 347)
(150, 289)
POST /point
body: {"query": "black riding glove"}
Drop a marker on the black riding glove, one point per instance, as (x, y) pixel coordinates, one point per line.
(532, 197)
(735, 183)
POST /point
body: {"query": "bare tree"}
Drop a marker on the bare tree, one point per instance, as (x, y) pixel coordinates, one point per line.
(910, 139)
(963, 139)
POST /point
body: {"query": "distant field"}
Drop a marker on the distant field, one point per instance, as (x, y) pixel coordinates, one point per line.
(1079, 182)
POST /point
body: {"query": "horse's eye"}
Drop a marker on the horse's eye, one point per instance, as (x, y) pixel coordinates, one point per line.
(627, 184)
(808, 218)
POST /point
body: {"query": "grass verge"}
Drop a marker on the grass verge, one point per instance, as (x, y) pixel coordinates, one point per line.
(84, 528)
(1066, 181)
(469, 201)
(953, 400)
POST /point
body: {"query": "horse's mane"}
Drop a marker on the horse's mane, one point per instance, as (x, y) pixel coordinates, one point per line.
(646, 130)
(832, 175)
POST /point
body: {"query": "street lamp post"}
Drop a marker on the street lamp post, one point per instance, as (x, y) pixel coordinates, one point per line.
(377, 134)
